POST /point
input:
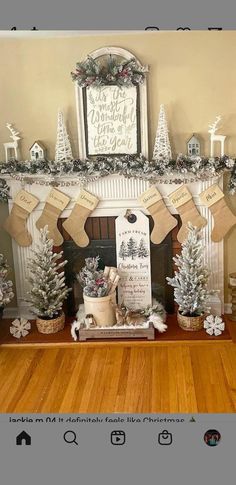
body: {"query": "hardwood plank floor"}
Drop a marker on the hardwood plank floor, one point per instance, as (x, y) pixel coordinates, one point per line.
(123, 378)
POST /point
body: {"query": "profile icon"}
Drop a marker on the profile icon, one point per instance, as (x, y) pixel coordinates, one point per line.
(212, 437)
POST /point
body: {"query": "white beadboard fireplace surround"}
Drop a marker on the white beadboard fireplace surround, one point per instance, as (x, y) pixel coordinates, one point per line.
(116, 194)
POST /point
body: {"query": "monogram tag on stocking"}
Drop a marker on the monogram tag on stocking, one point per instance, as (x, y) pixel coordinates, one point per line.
(180, 196)
(149, 197)
(58, 199)
(133, 260)
(87, 200)
(211, 196)
(26, 201)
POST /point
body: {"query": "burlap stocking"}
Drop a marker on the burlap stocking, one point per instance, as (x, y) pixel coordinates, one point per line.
(182, 200)
(224, 219)
(164, 222)
(55, 204)
(74, 225)
(15, 224)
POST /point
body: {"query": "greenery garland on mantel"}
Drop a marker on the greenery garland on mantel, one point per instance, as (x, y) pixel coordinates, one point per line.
(182, 170)
(4, 191)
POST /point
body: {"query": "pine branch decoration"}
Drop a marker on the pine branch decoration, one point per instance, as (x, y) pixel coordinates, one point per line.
(92, 279)
(92, 72)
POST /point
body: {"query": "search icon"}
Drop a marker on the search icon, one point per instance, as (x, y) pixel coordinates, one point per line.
(70, 437)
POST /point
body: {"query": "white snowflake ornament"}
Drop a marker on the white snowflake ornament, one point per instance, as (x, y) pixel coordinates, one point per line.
(20, 328)
(214, 325)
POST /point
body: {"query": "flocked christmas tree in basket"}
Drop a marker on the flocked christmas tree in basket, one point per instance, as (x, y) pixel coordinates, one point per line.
(47, 285)
(191, 282)
(6, 293)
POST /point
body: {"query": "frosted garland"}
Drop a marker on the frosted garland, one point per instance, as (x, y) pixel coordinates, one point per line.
(183, 170)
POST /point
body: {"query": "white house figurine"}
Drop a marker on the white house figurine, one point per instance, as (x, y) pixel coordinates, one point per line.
(37, 151)
(11, 148)
(193, 146)
(213, 138)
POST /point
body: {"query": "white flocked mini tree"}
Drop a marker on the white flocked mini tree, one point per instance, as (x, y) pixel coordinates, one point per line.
(63, 146)
(162, 148)
(47, 278)
(190, 282)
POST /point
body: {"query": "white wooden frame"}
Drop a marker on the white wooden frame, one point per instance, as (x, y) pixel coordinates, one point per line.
(118, 51)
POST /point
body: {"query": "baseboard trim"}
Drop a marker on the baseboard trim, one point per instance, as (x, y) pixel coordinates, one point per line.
(228, 307)
(15, 312)
(11, 312)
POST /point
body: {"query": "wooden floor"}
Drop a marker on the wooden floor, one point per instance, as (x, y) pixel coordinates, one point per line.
(189, 377)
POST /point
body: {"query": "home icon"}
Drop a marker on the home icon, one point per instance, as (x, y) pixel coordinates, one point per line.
(23, 438)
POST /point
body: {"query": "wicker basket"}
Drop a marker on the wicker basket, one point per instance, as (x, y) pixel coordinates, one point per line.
(191, 324)
(51, 326)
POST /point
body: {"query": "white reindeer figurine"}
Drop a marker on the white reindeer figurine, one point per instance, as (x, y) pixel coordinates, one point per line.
(221, 138)
(12, 144)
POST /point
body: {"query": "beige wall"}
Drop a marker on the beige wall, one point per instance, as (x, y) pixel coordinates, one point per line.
(192, 73)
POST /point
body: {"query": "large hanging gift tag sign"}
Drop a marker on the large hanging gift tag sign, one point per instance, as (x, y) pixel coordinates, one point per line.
(133, 260)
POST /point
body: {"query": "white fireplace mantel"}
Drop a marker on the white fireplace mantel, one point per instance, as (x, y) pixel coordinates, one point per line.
(116, 194)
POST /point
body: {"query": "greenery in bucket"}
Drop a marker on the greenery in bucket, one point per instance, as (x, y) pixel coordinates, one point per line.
(93, 280)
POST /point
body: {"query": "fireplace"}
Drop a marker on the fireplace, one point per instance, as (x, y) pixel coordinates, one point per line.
(101, 232)
(116, 194)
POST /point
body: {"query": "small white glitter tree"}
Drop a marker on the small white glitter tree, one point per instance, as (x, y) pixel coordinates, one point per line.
(162, 148)
(63, 146)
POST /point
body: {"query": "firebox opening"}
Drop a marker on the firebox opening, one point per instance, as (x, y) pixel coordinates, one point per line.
(101, 232)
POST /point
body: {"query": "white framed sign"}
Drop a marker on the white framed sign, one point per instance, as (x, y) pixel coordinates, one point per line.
(133, 260)
(112, 120)
(86, 132)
